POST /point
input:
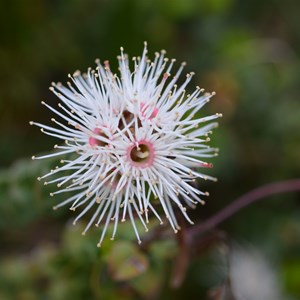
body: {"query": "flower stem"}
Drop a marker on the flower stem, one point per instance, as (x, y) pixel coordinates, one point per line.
(243, 201)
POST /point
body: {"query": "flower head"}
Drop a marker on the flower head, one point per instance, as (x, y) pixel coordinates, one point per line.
(131, 141)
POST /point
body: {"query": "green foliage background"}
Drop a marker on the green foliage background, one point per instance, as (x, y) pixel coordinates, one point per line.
(246, 51)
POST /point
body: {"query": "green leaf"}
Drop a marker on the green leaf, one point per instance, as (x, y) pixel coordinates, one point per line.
(126, 261)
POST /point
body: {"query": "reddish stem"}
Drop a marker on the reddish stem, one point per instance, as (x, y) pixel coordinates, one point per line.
(243, 201)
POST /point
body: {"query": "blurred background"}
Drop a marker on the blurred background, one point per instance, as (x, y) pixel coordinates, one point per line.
(246, 51)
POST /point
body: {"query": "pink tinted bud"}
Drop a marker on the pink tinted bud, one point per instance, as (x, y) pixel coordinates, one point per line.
(154, 113)
(144, 107)
(93, 141)
(206, 165)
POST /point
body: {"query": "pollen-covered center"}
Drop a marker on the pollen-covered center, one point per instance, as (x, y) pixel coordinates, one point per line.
(114, 179)
(126, 118)
(141, 155)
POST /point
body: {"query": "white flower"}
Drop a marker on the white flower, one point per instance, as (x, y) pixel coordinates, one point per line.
(131, 141)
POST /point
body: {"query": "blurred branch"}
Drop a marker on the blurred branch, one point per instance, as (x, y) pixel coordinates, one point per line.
(182, 261)
(243, 201)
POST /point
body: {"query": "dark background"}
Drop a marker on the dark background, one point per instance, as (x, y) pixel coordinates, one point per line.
(246, 51)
